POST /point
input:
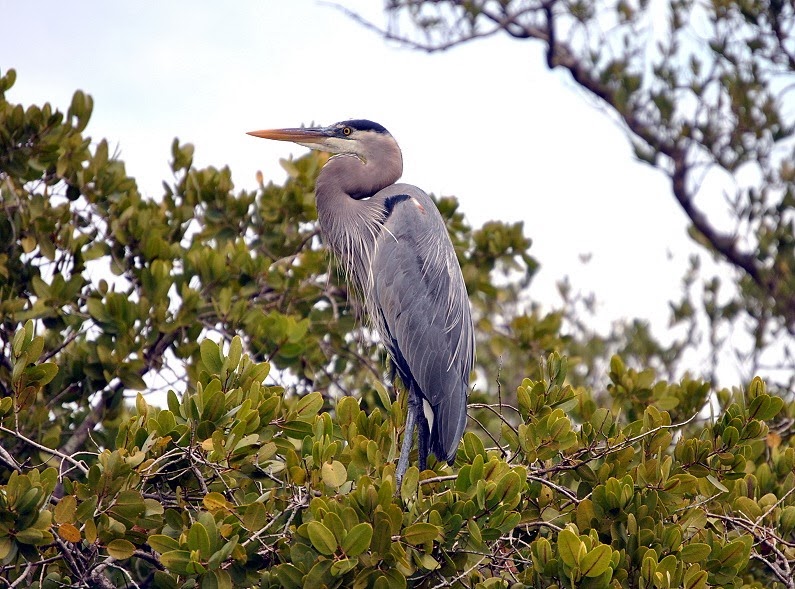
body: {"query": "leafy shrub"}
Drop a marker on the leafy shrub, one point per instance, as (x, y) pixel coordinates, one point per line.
(262, 472)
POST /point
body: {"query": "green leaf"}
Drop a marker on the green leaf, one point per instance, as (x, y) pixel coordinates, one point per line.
(394, 579)
(473, 446)
(408, 486)
(46, 372)
(420, 533)
(775, 405)
(787, 519)
(720, 486)
(289, 576)
(319, 575)
(211, 356)
(162, 543)
(429, 563)
(131, 380)
(748, 506)
(166, 422)
(695, 552)
(617, 365)
(732, 554)
(97, 310)
(66, 509)
(474, 531)
(340, 567)
(334, 474)
(129, 505)
(235, 352)
(357, 540)
(141, 407)
(756, 388)
(322, 538)
(164, 581)
(334, 523)
(30, 536)
(214, 501)
(213, 402)
(541, 551)
(199, 539)
(309, 406)
(596, 561)
(173, 518)
(557, 366)
(347, 410)
(508, 487)
(297, 429)
(121, 549)
(85, 510)
(759, 407)
(256, 517)
(648, 567)
(568, 547)
(695, 578)
(383, 395)
(382, 534)
(173, 402)
(217, 579)
(176, 561)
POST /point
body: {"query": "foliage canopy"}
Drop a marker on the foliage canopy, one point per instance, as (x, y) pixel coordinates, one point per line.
(273, 466)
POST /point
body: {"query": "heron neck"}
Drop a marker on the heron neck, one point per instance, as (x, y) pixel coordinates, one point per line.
(361, 176)
(346, 181)
(349, 218)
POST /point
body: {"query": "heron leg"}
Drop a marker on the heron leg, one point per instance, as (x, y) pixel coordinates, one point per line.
(408, 435)
(423, 436)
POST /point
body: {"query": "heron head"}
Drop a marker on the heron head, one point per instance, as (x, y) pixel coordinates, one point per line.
(355, 137)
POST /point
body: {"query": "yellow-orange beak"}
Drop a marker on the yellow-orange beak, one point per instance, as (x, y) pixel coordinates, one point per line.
(302, 135)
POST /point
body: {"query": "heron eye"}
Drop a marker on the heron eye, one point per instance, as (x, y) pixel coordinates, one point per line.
(346, 131)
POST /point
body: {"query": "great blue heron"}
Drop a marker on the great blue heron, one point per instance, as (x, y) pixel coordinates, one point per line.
(392, 242)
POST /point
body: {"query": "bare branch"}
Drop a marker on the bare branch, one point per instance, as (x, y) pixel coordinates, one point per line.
(9, 461)
(64, 457)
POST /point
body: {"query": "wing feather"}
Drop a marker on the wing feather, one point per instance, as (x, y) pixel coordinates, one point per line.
(424, 313)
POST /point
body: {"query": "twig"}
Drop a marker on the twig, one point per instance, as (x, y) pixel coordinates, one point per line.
(9, 460)
(601, 451)
(302, 503)
(23, 577)
(97, 579)
(776, 504)
(488, 433)
(82, 467)
(541, 524)
(72, 337)
(150, 558)
(781, 568)
(562, 490)
(69, 557)
(439, 479)
(452, 581)
(499, 414)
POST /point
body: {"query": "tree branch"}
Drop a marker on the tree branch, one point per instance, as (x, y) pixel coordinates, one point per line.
(153, 356)
(9, 461)
(63, 456)
(560, 54)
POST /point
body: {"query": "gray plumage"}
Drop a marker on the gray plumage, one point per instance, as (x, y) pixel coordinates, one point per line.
(393, 245)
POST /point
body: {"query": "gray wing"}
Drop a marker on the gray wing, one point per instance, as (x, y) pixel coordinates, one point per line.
(425, 315)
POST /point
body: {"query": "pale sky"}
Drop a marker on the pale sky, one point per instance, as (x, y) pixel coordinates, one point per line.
(486, 122)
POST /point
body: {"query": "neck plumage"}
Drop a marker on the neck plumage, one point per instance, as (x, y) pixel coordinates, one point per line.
(349, 219)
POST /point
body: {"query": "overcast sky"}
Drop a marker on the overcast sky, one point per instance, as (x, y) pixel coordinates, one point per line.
(485, 122)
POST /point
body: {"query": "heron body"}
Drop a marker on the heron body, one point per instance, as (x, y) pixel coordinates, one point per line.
(393, 245)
